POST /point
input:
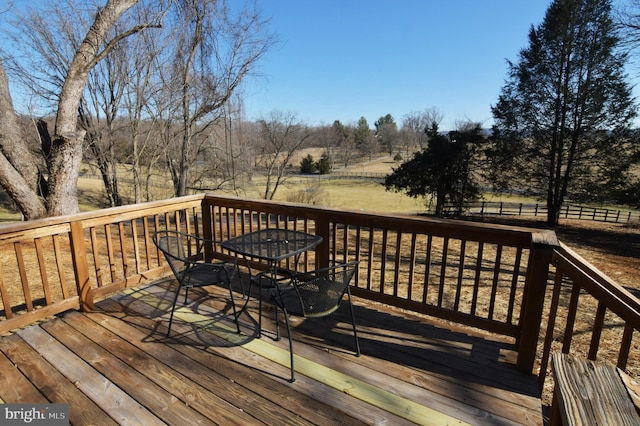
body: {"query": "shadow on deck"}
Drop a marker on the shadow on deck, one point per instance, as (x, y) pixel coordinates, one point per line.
(116, 365)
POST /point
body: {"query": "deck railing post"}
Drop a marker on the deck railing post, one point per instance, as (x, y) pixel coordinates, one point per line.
(540, 255)
(81, 265)
(207, 227)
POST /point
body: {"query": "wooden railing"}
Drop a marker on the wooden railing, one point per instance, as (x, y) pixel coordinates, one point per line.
(474, 274)
(517, 282)
(589, 315)
(52, 265)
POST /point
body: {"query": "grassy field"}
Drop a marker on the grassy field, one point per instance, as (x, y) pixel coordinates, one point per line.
(352, 194)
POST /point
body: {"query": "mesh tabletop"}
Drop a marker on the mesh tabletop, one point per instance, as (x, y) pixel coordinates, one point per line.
(272, 244)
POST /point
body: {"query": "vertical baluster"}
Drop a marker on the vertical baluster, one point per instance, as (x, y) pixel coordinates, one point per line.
(112, 259)
(427, 268)
(551, 323)
(494, 284)
(96, 256)
(43, 271)
(396, 278)
(383, 260)
(136, 245)
(412, 266)
(476, 280)
(4, 295)
(598, 323)
(463, 246)
(123, 250)
(514, 285)
(60, 266)
(443, 270)
(625, 346)
(17, 247)
(357, 252)
(571, 318)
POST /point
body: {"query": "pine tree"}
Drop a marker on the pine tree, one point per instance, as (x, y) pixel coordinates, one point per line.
(565, 107)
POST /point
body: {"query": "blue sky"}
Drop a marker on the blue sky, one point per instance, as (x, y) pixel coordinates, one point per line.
(344, 59)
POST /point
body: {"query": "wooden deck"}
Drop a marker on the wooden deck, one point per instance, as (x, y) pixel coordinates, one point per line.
(116, 366)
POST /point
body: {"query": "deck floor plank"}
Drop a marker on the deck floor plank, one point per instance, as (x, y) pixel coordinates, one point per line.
(51, 383)
(16, 387)
(113, 400)
(164, 401)
(396, 350)
(208, 390)
(449, 374)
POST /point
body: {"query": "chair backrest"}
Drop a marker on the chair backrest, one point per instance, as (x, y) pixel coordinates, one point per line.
(320, 292)
(175, 247)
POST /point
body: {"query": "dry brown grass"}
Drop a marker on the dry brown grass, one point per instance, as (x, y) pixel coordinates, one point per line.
(613, 248)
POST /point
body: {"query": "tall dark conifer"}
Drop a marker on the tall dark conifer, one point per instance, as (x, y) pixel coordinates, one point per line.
(565, 107)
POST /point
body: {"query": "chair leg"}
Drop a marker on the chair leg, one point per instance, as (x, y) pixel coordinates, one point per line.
(277, 322)
(233, 303)
(260, 309)
(286, 320)
(173, 308)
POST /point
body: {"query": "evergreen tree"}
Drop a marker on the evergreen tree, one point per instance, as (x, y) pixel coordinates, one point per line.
(444, 170)
(362, 137)
(324, 165)
(386, 133)
(308, 166)
(562, 116)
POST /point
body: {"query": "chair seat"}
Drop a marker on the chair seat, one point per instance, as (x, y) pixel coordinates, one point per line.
(315, 298)
(203, 274)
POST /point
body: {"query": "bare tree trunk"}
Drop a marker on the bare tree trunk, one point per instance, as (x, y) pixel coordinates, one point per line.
(19, 174)
(66, 150)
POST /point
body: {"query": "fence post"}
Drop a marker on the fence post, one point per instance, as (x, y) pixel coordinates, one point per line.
(501, 203)
(542, 246)
(80, 265)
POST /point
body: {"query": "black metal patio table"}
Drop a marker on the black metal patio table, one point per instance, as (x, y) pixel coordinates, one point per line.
(272, 245)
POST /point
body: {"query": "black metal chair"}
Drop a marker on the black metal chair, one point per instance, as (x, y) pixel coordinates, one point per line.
(314, 294)
(185, 254)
